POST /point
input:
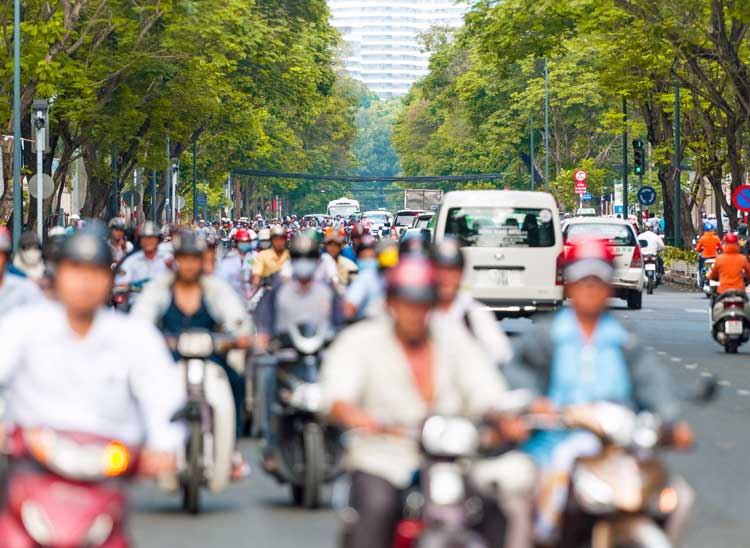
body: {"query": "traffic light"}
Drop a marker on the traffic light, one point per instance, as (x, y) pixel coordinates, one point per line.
(638, 157)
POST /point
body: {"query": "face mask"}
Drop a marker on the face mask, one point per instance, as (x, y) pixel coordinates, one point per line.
(265, 244)
(244, 247)
(368, 264)
(31, 256)
(304, 269)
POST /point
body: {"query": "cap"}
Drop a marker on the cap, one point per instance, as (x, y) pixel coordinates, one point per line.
(413, 280)
(447, 253)
(186, 242)
(589, 257)
(87, 247)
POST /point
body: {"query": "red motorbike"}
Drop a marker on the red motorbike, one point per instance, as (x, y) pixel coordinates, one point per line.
(65, 490)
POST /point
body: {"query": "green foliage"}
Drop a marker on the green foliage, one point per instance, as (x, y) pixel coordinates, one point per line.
(672, 253)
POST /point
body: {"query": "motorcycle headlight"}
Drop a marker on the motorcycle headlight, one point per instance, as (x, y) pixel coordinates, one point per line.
(195, 344)
(36, 523)
(100, 530)
(450, 437)
(446, 484)
(196, 370)
(592, 494)
(306, 397)
(663, 502)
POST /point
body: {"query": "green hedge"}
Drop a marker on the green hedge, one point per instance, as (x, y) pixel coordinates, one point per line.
(679, 254)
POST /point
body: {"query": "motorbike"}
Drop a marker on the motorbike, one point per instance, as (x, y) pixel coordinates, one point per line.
(709, 287)
(624, 495)
(121, 296)
(65, 489)
(653, 274)
(209, 415)
(730, 319)
(308, 449)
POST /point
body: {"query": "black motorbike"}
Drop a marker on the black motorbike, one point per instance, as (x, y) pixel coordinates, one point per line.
(308, 450)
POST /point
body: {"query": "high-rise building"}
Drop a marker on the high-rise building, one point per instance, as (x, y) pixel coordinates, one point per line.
(382, 38)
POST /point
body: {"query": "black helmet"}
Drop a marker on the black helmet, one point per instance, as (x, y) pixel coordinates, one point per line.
(413, 243)
(87, 247)
(447, 253)
(412, 279)
(28, 240)
(186, 242)
(304, 246)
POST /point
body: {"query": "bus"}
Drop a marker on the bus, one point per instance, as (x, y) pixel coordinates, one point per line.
(344, 207)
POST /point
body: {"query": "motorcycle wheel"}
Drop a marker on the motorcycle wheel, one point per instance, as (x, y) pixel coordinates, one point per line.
(731, 347)
(650, 286)
(191, 490)
(314, 465)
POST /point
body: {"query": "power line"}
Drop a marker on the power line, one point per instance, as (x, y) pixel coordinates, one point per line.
(366, 179)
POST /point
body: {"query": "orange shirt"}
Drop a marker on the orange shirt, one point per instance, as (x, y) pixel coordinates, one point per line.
(730, 268)
(709, 244)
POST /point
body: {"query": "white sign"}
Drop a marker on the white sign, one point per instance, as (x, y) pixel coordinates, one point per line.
(580, 176)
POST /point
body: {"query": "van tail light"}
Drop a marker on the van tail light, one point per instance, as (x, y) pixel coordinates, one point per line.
(637, 261)
(733, 304)
(559, 277)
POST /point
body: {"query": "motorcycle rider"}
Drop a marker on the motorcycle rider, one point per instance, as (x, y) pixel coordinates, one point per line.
(29, 259)
(336, 268)
(731, 268)
(210, 255)
(709, 246)
(186, 299)
(89, 376)
(299, 300)
(15, 291)
(356, 234)
(448, 262)
(264, 238)
(121, 247)
(585, 355)
(394, 371)
(237, 267)
(202, 229)
(270, 261)
(365, 296)
(654, 246)
(145, 264)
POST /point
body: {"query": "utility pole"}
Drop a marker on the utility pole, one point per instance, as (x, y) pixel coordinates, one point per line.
(546, 124)
(677, 162)
(531, 151)
(625, 214)
(39, 124)
(153, 195)
(17, 189)
(115, 198)
(175, 179)
(195, 182)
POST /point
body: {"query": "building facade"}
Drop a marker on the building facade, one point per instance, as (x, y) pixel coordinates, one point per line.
(382, 38)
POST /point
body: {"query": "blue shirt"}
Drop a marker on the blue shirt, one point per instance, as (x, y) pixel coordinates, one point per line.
(583, 371)
(366, 292)
(348, 252)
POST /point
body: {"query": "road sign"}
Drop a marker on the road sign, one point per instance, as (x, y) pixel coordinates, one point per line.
(180, 202)
(741, 198)
(586, 196)
(579, 176)
(619, 209)
(131, 198)
(581, 187)
(202, 200)
(48, 186)
(647, 195)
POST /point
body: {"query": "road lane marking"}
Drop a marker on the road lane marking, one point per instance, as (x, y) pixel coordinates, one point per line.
(696, 311)
(706, 374)
(691, 366)
(650, 349)
(743, 392)
(675, 359)
(725, 383)
(661, 353)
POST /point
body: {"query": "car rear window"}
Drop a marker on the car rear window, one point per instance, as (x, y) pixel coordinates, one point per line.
(619, 235)
(405, 219)
(501, 227)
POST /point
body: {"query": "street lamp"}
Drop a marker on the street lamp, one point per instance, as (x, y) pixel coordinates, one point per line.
(173, 193)
(40, 123)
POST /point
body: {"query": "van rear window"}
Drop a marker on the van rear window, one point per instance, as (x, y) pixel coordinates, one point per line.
(617, 234)
(501, 227)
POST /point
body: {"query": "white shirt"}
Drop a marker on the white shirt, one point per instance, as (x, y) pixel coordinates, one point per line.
(366, 367)
(119, 381)
(137, 268)
(654, 243)
(16, 292)
(237, 270)
(118, 254)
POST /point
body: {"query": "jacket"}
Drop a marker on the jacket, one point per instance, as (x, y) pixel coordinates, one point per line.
(709, 244)
(651, 386)
(732, 269)
(223, 304)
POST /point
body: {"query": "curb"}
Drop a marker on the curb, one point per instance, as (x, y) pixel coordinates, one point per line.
(679, 280)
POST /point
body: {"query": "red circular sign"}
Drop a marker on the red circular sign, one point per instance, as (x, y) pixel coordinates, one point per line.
(579, 176)
(741, 198)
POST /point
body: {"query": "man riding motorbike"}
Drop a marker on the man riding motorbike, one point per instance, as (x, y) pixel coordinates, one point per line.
(709, 246)
(585, 355)
(29, 258)
(15, 291)
(365, 295)
(270, 261)
(393, 372)
(98, 372)
(335, 268)
(145, 264)
(186, 299)
(731, 268)
(121, 247)
(448, 262)
(264, 238)
(236, 268)
(654, 246)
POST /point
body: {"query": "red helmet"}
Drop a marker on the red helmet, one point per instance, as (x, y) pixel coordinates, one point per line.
(731, 238)
(588, 257)
(242, 235)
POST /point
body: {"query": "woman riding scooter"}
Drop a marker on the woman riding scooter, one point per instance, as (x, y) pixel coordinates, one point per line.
(731, 268)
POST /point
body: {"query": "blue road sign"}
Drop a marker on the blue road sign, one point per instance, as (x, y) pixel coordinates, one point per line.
(619, 209)
(647, 195)
(586, 196)
(202, 200)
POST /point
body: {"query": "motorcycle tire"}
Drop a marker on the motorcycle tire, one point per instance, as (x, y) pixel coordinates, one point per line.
(635, 300)
(314, 465)
(650, 286)
(191, 489)
(731, 347)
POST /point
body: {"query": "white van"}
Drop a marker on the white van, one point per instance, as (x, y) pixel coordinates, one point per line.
(513, 247)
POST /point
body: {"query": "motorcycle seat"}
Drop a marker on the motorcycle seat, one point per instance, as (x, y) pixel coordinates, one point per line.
(732, 293)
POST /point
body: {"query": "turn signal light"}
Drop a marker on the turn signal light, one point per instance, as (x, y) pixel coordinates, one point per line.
(116, 459)
(667, 500)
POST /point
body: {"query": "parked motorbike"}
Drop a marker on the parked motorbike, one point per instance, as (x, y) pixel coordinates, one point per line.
(65, 489)
(209, 415)
(653, 274)
(730, 319)
(709, 287)
(624, 495)
(308, 449)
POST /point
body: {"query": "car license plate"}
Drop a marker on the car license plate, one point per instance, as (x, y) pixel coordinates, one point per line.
(504, 278)
(651, 267)
(733, 327)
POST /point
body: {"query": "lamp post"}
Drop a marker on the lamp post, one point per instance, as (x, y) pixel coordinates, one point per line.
(531, 151)
(17, 189)
(39, 110)
(195, 182)
(677, 161)
(173, 198)
(625, 205)
(153, 196)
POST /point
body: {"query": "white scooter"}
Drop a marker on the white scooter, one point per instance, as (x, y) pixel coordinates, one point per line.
(209, 416)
